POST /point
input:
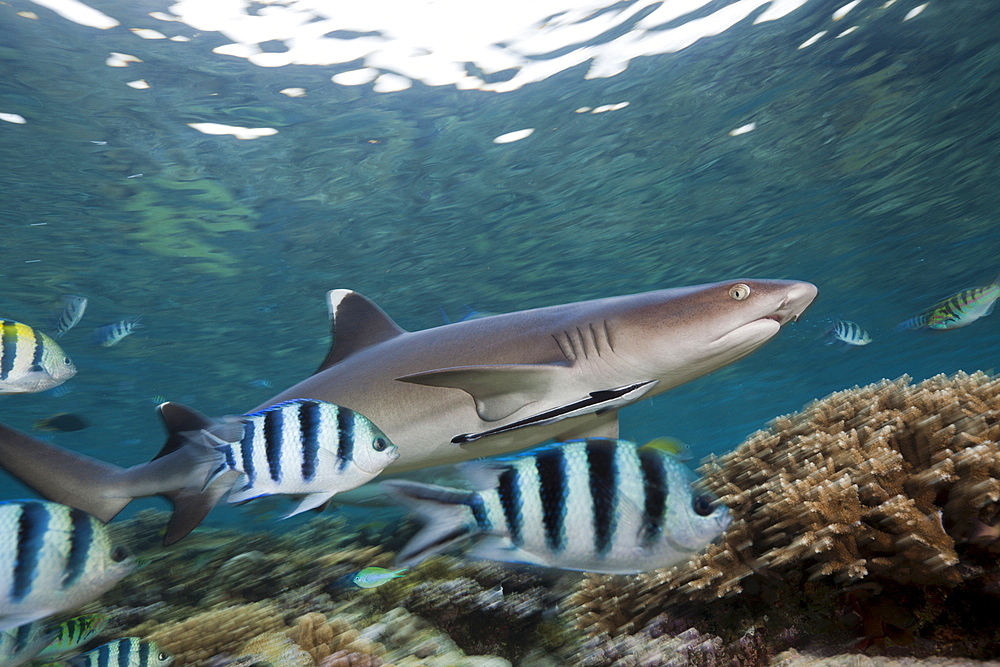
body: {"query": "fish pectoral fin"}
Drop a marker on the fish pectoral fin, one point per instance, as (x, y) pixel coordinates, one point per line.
(311, 502)
(601, 402)
(499, 390)
(501, 548)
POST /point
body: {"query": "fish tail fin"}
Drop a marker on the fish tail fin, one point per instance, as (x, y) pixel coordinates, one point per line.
(447, 517)
(185, 472)
(63, 476)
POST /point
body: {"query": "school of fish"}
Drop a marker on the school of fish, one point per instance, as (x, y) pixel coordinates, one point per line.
(590, 501)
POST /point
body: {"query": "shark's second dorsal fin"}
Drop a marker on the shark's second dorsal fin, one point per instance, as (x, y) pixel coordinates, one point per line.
(178, 419)
(355, 323)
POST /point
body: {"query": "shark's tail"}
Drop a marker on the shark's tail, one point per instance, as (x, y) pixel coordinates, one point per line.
(447, 515)
(179, 472)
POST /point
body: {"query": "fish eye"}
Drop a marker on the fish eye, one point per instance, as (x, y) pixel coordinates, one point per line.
(118, 554)
(163, 656)
(380, 444)
(739, 291)
(67, 362)
(703, 504)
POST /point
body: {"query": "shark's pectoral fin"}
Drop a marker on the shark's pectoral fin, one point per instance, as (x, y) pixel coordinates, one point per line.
(499, 390)
(355, 323)
(602, 402)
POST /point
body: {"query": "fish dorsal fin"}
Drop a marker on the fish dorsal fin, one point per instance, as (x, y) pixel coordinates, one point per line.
(499, 390)
(355, 323)
(180, 422)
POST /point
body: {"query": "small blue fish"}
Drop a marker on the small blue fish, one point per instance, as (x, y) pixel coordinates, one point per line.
(848, 333)
(112, 334)
(73, 309)
(373, 577)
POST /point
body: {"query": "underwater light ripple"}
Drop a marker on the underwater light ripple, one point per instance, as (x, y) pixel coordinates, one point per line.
(432, 41)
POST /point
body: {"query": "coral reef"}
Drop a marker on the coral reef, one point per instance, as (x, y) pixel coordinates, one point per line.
(322, 638)
(874, 509)
(276, 649)
(198, 638)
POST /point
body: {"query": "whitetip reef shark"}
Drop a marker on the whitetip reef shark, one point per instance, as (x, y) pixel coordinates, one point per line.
(460, 391)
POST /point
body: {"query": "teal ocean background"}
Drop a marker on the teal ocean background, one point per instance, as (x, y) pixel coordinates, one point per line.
(216, 166)
(870, 170)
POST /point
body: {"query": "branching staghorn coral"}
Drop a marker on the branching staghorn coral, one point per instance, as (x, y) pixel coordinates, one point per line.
(884, 483)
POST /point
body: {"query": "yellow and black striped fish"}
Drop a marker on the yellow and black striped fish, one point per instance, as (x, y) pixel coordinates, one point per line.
(30, 361)
(73, 634)
(53, 558)
(959, 310)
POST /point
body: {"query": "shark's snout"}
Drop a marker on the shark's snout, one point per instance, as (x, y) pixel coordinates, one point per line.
(798, 298)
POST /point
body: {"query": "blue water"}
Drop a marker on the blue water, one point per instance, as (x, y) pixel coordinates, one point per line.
(870, 171)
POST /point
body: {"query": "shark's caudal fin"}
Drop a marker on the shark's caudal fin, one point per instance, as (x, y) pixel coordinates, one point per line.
(179, 472)
(355, 323)
(445, 512)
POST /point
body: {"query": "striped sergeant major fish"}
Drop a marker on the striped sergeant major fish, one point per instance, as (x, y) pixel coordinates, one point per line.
(72, 312)
(30, 361)
(72, 634)
(596, 505)
(846, 332)
(21, 645)
(959, 310)
(302, 448)
(124, 652)
(53, 559)
(112, 334)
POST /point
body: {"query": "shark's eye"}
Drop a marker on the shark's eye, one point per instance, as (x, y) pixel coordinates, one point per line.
(380, 444)
(703, 504)
(739, 291)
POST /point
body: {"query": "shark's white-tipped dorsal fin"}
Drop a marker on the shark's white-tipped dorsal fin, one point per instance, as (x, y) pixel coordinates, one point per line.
(355, 324)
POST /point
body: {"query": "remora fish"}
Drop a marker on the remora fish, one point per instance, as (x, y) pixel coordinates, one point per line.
(539, 368)
(53, 558)
(30, 361)
(595, 505)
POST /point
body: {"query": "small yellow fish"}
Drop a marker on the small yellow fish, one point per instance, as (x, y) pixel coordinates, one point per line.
(668, 445)
(30, 361)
